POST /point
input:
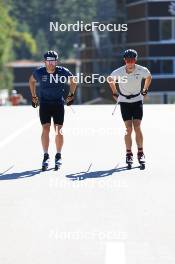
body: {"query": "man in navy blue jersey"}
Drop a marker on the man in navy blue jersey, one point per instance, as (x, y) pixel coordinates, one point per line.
(50, 98)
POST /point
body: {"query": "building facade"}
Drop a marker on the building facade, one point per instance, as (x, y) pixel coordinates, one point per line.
(151, 31)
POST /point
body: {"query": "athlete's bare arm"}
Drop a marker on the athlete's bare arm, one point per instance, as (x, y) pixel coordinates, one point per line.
(112, 85)
(73, 85)
(32, 85)
(147, 83)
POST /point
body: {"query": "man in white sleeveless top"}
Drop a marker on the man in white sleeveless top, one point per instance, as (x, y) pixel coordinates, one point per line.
(130, 97)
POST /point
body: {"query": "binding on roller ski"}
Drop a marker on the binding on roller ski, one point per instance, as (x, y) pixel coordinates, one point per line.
(46, 161)
(58, 161)
(141, 160)
(140, 157)
(129, 160)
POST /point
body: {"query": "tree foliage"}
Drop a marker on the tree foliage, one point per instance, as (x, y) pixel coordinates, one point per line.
(37, 14)
(10, 39)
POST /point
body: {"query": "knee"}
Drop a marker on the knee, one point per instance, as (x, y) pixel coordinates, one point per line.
(128, 131)
(46, 129)
(137, 129)
(58, 131)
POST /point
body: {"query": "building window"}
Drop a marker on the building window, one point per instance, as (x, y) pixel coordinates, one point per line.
(173, 29)
(166, 66)
(166, 29)
(155, 66)
(161, 66)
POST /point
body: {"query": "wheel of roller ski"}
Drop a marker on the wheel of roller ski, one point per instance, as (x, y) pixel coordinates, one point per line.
(57, 167)
(142, 166)
(129, 166)
(44, 168)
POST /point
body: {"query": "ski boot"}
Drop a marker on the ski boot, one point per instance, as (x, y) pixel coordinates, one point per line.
(58, 161)
(129, 160)
(141, 160)
(45, 162)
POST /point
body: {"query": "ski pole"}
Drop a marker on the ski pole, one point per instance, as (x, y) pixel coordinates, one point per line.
(72, 109)
(114, 108)
(89, 167)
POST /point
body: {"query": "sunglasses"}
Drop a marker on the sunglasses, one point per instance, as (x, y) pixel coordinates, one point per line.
(130, 60)
(51, 62)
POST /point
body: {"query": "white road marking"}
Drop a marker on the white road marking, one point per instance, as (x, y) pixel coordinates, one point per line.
(115, 253)
(21, 130)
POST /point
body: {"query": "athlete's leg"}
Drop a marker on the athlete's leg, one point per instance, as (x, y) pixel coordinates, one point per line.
(45, 137)
(138, 133)
(139, 140)
(45, 118)
(127, 118)
(128, 134)
(58, 118)
(59, 139)
(137, 117)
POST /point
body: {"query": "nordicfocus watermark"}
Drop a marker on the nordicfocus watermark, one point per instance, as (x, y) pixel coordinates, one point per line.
(81, 26)
(79, 183)
(88, 79)
(78, 235)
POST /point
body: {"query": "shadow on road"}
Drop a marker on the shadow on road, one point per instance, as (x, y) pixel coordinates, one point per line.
(20, 175)
(97, 174)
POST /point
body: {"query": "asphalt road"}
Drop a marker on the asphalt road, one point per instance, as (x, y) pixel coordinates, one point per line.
(92, 210)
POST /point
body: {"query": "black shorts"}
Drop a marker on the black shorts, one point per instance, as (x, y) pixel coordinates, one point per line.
(132, 111)
(51, 110)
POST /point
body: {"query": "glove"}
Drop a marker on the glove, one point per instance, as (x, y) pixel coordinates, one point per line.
(115, 96)
(70, 99)
(144, 92)
(35, 101)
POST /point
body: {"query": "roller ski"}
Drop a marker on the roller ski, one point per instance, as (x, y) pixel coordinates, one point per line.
(141, 160)
(58, 161)
(45, 162)
(129, 160)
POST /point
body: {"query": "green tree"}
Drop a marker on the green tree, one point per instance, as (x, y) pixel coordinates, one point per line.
(37, 14)
(42, 43)
(6, 28)
(10, 39)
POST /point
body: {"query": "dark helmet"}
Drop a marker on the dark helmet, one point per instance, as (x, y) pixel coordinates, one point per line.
(130, 54)
(51, 55)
